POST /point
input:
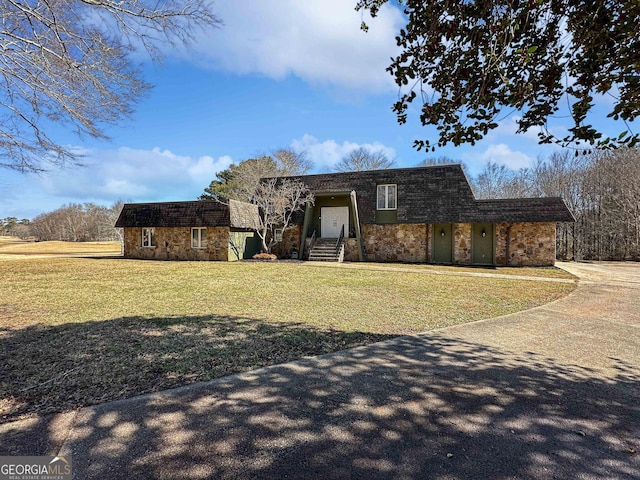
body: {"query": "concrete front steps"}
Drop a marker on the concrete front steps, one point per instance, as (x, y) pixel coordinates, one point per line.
(324, 250)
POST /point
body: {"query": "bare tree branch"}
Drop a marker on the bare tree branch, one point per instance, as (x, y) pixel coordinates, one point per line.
(69, 62)
(239, 182)
(362, 159)
(278, 200)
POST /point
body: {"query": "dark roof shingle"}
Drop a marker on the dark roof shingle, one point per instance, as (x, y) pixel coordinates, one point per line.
(198, 213)
(425, 194)
(435, 194)
(546, 209)
(432, 194)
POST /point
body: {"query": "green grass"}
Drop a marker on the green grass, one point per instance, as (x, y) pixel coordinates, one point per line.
(77, 331)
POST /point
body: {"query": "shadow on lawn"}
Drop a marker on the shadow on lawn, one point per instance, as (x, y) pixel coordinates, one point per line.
(57, 368)
(416, 407)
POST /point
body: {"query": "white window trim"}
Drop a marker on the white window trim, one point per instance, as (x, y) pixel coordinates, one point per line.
(277, 235)
(386, 197)
(151, 236)
(200, 231)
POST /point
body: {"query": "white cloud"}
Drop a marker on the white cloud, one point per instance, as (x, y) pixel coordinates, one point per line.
(136, 175)
(509, 127)
(326, 154)
(503, 154)
(319, 41)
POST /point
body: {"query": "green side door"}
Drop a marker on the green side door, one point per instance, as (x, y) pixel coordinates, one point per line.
(483, 244)
(243, 245)
(442, 243)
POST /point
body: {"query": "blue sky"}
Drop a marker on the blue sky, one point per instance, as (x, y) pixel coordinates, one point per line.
(279, 73)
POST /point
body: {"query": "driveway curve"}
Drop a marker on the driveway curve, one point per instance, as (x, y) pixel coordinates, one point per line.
(549, 393)
(596, 327)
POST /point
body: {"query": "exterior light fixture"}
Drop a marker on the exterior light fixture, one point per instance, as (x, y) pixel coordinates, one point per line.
(442, 232)
(484, 233)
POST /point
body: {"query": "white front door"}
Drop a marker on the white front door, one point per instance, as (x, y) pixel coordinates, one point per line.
(332, 219)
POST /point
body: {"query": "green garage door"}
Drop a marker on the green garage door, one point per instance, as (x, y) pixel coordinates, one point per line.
(483, 244)
(442, 243)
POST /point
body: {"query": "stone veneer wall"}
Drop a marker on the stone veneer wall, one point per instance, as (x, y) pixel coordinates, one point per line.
(395, 242)
(175, 244)
(290, 242)
(351, 250)
(517, 244)
(526, 244)
(462, 243)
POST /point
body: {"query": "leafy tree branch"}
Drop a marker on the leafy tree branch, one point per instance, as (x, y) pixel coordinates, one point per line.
(471, 62)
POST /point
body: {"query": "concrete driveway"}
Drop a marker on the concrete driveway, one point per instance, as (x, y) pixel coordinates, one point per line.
(550, 393)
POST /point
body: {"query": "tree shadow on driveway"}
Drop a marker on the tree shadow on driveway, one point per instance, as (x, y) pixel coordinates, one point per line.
(424, 406)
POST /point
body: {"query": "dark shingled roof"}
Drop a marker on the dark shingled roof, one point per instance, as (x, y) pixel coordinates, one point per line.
(199, 213)
(425, 194)
(547, 209)
(434, 194)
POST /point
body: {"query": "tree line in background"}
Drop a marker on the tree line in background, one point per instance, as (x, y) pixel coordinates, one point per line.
(15, 227)
(75, 222)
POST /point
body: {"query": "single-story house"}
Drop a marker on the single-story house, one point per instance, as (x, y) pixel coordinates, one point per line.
(423, 215)
(196, 230)
(419, 215)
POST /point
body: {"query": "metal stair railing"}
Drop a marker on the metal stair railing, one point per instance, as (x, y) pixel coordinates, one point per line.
(340, 244)
(340, 239)
(312, 242)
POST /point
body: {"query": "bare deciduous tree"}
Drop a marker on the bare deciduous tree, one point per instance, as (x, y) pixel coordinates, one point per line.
(78, 223)
(362, 159)
(441, 160)
(69, 62)
(246, 177)
(278, 200)
(499, 181)
(239, 182)
(290, 162)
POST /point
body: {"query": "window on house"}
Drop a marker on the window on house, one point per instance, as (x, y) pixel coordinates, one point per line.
(148, 237)
(277, 235)
(387, 198)
(199, 237)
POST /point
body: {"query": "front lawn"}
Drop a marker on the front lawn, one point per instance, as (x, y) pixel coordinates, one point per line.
(78, 331)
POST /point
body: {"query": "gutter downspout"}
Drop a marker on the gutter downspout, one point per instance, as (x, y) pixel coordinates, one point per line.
(356, 216)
